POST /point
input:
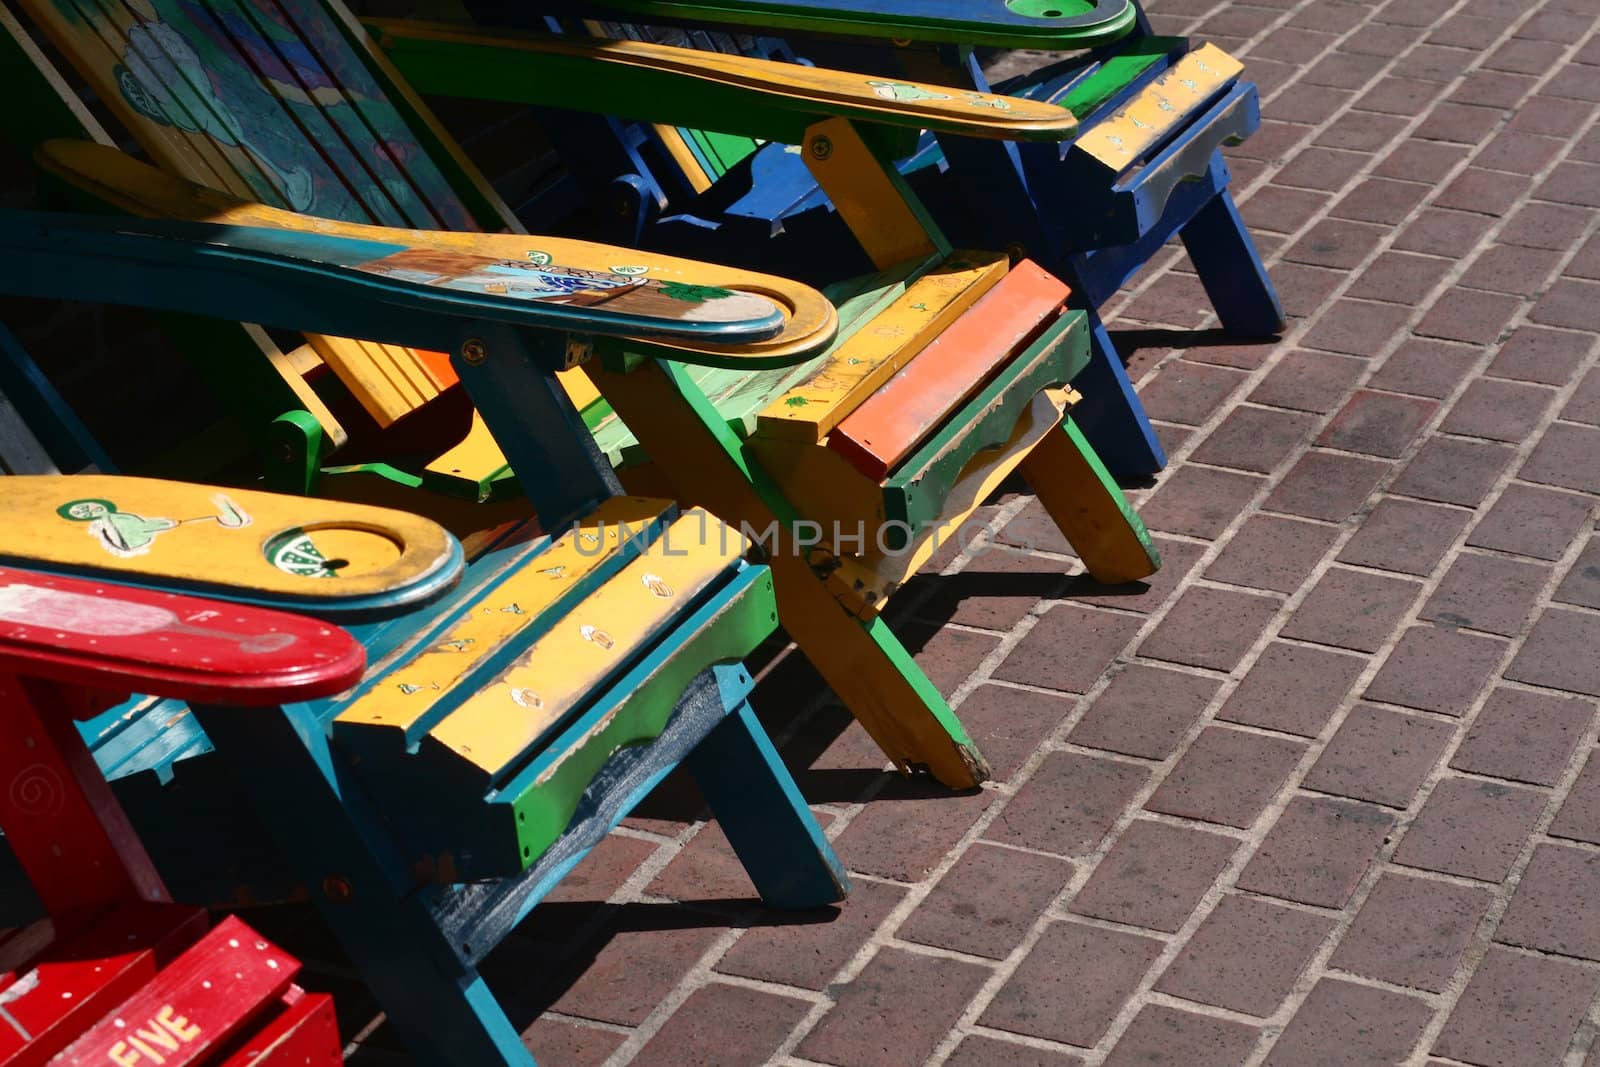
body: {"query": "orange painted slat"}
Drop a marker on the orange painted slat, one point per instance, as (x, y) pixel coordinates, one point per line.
(884, 429)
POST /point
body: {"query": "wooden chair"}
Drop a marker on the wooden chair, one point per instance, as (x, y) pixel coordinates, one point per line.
(117, 973)
(1145, 166)
(759, 448)
(511, 716)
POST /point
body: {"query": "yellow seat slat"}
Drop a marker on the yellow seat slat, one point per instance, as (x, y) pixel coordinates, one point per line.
(1120, 140)
(476, 457)
(857, 366)
(410, 690)
(498, 723)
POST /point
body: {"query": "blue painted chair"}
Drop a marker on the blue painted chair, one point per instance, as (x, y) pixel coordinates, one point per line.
(515, 711)
(1146, 166)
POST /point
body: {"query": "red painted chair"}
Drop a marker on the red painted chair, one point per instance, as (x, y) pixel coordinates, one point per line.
(119, 974)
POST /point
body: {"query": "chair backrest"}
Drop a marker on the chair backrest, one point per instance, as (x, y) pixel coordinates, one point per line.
(283, 102)
(702, 156)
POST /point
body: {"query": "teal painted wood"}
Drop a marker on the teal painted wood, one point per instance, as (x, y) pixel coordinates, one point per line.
(764, 816)
(310, 282)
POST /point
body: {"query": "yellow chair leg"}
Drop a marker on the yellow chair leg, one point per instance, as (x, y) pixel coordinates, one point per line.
(863, 661)
(1088, 506)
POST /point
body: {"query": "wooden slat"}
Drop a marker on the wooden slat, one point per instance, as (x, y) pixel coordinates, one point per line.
(886, 427)
(354, 65)
(497, 724)
(305, 1033)
(1120, 140)
(859, 365)
(77, 981)
(869, 195)
(142, 190)
(436, 51)
(201, 1000)
(408, 693)
(120, 638)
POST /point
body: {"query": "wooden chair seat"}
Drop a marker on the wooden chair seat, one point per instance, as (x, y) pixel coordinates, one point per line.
(920, 401)
(479, 740)
(1165, 123)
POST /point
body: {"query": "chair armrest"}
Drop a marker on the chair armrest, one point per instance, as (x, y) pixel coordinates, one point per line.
(110, 637)
(204, 252)
(244, 546)
(1070, 24)
(685, 87)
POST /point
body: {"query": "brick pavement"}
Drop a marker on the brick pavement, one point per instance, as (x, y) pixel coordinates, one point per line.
(1323, 791)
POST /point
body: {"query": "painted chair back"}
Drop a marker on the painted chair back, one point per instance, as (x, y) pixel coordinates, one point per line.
(280, 104)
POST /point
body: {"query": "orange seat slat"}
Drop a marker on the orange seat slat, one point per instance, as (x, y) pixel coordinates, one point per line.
(888, 426)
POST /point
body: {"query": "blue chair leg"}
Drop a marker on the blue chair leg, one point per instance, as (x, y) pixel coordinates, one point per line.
(1225, 258)
(1111, 415)
(766, 819)
(441, 1007)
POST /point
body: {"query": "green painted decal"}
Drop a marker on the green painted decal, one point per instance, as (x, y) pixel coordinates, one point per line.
(693, 294)
(125, 534)
(293, 552)
(903, 91)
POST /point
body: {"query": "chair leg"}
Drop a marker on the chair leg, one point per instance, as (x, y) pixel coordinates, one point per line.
(876, 678)
(766, 819)
(1225, 258)
(1087, 505)
(441, 1007)
(1111, 415)
(864, 662)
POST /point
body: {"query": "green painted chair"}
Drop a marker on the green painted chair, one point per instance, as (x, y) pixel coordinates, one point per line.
(948, 375)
